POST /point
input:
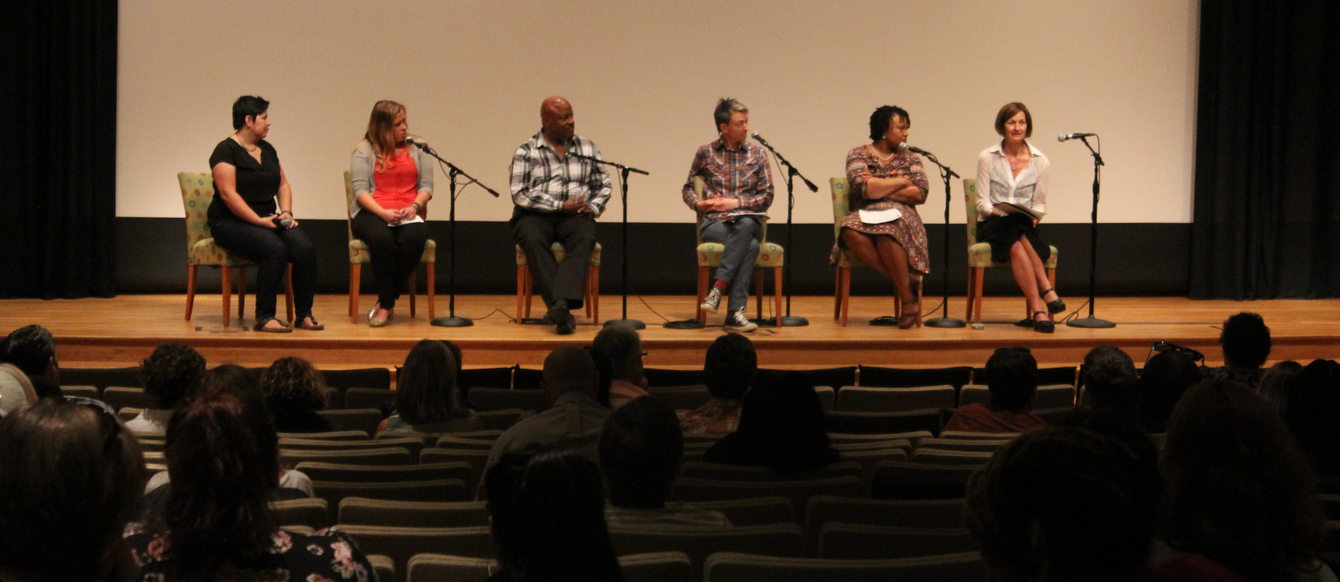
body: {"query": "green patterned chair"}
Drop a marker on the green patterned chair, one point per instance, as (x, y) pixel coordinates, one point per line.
(197, 192)
(770, 256)
(979, 257)
(846, 261)
(525, 284)
(359, 255)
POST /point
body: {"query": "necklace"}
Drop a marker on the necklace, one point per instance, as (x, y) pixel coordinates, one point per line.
(246, 146)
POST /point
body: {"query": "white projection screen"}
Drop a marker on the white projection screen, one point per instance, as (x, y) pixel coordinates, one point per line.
(643, 78)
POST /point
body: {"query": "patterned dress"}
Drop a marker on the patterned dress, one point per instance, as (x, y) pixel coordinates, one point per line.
(326, 556)
(862, 164)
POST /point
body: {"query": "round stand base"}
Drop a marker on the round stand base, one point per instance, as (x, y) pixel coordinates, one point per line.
(787, 321)
(885, 321)
(943, 322)
(1090, 323)
(452, 321)
(633, 323)
(685, 324)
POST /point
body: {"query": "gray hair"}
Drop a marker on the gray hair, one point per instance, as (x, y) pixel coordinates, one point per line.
(725, 107)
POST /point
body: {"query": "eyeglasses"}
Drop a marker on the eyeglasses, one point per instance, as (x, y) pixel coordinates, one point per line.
(1162, 346)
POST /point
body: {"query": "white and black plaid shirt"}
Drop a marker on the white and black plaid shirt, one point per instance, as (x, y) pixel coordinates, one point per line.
(542, 181)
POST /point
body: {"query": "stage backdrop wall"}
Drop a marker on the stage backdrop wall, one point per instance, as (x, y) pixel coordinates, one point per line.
(643, 79)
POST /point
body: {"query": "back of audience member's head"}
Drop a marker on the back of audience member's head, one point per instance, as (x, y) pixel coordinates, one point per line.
(1246, 341)
(33, 349)
(783, 423)
(222, 454)
(1065, 503)
(1166, 376)
(72, 477)
(548, 519)
(1237, 489)
(1275, 383)
(569, 369)
(1012, 379)
(1312, 413)
(640, 450)
(292, 383)
(730, 366)
(617, 353)
(1108, 376)
(426, 391)
(169, 372)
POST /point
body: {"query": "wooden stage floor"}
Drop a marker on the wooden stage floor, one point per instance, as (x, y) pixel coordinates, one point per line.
(123, 330)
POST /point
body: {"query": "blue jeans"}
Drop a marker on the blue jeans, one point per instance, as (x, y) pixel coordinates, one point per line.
(741, 237)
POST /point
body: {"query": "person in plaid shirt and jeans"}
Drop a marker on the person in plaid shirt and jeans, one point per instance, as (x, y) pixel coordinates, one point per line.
(558, 198)
(737, 191)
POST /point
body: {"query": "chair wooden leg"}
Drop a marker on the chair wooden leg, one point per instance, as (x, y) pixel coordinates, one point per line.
(777, 294)
(190, 290)
(522, 301)
(703, 274)
(845, 293)
(837, 293)
(593, 293)
(226, 277)
(241, 295)
(355, 276)
(413, 297)
(758, 292)
(288, 292)
(969, 297)
(919, 282)
(430, 276)
(977, 292)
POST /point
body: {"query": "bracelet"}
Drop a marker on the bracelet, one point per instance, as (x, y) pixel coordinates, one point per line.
(416, 206)
(288, 212)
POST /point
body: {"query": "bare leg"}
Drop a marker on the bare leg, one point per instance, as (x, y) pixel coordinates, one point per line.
(894, 259)
(1039, 271)
(1024, 275)
(863, 246)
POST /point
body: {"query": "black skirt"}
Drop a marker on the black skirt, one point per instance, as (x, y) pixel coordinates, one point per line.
(1003, 231)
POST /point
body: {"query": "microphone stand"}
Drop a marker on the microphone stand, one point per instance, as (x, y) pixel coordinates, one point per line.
(946, 173)
(623, 246)
(451, 320)
(1091, 321)
(791, 173)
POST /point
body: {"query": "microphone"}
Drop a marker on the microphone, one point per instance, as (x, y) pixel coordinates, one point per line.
(1070, 136)
(903, 147)
(760, 139)
(409, 139)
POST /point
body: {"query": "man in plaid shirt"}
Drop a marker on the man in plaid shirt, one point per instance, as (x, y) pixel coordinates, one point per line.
(737, 191)
(558, 198)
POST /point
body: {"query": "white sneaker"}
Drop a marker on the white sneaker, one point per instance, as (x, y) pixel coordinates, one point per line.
(737, 321)
(713, 300)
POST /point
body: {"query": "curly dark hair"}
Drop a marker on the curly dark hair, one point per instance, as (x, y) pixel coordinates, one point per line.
(1246, 340)
(730, 366)
(31, 348)
(170, 372)
(292, 383)
(880, 119)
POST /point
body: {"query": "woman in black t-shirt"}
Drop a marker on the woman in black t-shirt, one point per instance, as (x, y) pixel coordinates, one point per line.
(245, 220)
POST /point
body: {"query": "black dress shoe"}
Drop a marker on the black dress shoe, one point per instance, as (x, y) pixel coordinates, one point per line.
(1056, 306)
(1043, 325)
(567, 324)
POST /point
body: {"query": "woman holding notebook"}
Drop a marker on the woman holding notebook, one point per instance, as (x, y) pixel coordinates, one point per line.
(1011, 199)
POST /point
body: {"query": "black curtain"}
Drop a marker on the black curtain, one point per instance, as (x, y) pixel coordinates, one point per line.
(59, 150)
(1267, 199)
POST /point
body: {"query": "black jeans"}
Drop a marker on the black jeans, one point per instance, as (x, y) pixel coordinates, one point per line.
(395, 251)
(272, 250)
(561, 284)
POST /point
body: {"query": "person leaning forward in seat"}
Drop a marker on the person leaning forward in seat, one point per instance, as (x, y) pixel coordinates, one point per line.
(558, 197)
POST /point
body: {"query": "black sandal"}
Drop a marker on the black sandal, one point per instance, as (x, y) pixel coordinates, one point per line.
(260, 326)
(1053, 306)
(314, 326)
(1043, 325)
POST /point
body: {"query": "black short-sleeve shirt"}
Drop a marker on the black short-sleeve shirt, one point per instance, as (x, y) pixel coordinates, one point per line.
(257, 183)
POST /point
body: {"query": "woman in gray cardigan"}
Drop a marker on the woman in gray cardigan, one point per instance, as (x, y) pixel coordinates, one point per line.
(392, 183)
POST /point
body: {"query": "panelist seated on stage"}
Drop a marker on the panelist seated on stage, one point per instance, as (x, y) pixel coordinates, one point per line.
(393, 183)
(737, 191)
(883, 228)
(1012, 178)
(558, 196)
(245, 220)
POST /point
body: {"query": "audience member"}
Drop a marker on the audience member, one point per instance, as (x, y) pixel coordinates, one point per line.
(1167, 375)
(1246, 343)
(222, 454)
(1067, 503)
(1239, 496)
(548, 521)
(71, 479)
(640, 451)
(782, 427)
(16, 391)
(426, 399)
(294, 391)
(574, 419)
(1107, 378)
(730, 366)
(168, 374)
(617, 352)
(1311, 411)
(33, 349)
(1012, 381)
(1275, 383)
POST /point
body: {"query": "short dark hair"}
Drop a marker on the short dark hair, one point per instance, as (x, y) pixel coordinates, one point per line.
(426, 391)
(1108, 375)
(248, 106)
(1246, 340)
(569, 369)
(292, 383)
(1010, 110)
(31, 348)
(730, 366)
(169, 372)
(616, 351)
(1167, 375)
(727, 106)
(640, 450)
(882, 117)
(1012, 379)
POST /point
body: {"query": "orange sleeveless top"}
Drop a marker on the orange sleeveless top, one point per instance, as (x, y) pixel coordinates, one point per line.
(396, 187)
